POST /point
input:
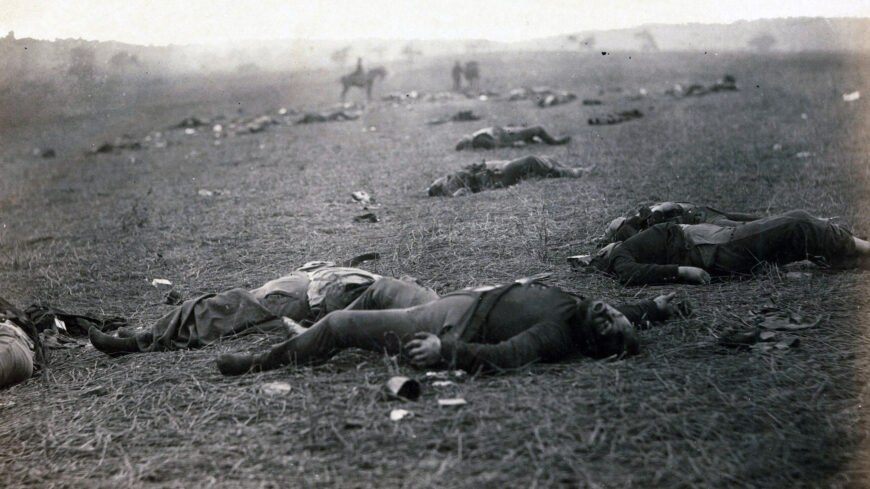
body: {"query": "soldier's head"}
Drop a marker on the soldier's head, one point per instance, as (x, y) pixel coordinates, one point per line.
(606, 331)
(448, 185)
(622, 228)
(464, 143)
(438, 188)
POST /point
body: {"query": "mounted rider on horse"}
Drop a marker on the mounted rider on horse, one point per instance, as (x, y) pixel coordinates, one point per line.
(362, 79)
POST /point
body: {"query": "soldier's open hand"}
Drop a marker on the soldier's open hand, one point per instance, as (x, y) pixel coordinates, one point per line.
(424, 350)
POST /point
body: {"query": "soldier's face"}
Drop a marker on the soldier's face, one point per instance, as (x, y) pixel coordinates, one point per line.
(438, 187)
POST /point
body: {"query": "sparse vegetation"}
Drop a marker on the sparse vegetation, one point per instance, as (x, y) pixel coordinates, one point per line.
(88, 233)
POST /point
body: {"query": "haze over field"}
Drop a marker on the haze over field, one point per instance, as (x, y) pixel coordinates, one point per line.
(218, 21)
(34, 59)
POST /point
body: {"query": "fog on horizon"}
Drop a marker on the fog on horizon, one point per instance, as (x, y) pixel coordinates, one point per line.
(162, 22)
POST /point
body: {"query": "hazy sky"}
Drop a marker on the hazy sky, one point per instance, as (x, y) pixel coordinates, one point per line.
(214, 21)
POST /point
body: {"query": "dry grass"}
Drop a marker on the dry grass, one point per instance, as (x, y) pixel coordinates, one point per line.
(88, 233)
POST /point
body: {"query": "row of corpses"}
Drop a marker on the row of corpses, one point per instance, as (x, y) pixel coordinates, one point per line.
(221, 127)
(544, 96)
(495, 174)
(321, 308)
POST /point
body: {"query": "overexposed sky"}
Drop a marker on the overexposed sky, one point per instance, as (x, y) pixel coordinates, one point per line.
(216, 21)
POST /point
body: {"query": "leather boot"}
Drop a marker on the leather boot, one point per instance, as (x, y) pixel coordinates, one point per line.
(112, 345)
(238, 364)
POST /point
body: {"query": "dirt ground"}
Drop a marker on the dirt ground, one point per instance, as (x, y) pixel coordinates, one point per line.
(89, 232)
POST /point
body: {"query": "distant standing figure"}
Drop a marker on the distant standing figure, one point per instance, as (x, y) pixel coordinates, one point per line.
(472, 74)
(504, 136)
(456, 73)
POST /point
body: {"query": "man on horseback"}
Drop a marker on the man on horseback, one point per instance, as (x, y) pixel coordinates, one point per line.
(362, 79)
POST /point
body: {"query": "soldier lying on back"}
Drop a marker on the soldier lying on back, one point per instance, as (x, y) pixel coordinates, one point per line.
(485, 328)
(506, 136)
(500, 173)
(671, 252)
(623, 228)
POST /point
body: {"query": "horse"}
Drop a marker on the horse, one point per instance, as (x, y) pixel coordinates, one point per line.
(362, 80)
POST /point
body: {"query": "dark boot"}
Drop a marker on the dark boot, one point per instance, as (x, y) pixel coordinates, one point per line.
(235, 364)
(112, 345)
(238, 364)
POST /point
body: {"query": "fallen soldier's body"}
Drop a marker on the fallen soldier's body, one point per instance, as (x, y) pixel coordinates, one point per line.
(336, 115)
(615, 118)
(17, 352)
(623, 228)
(543, 96)
(500, 173)
(555, 98)
(725, 84)
(690, 253)
(507, 136)
(461, 116)
(20, 346)
(308, 293)
(486, 328)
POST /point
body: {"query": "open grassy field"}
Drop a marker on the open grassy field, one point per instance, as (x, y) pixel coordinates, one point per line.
(88, 233)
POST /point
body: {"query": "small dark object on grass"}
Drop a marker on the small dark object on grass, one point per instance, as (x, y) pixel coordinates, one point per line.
(104, 148)
(465, 115)
(737, 338)
(96, 391)
(362, 197)
(48, 153)
(360, 259)
(592, 101)
(173, 298)
(370, 217)
(402, 388)
(461, 116)
(190, 122)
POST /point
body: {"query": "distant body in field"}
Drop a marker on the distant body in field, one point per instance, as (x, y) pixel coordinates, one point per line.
(506, 136)
(500, 173)
(328, 116)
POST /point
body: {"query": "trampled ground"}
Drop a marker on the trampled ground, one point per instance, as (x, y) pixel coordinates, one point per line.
(88, 233)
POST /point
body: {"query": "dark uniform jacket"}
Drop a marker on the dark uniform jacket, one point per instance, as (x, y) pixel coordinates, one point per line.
(514, 325)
